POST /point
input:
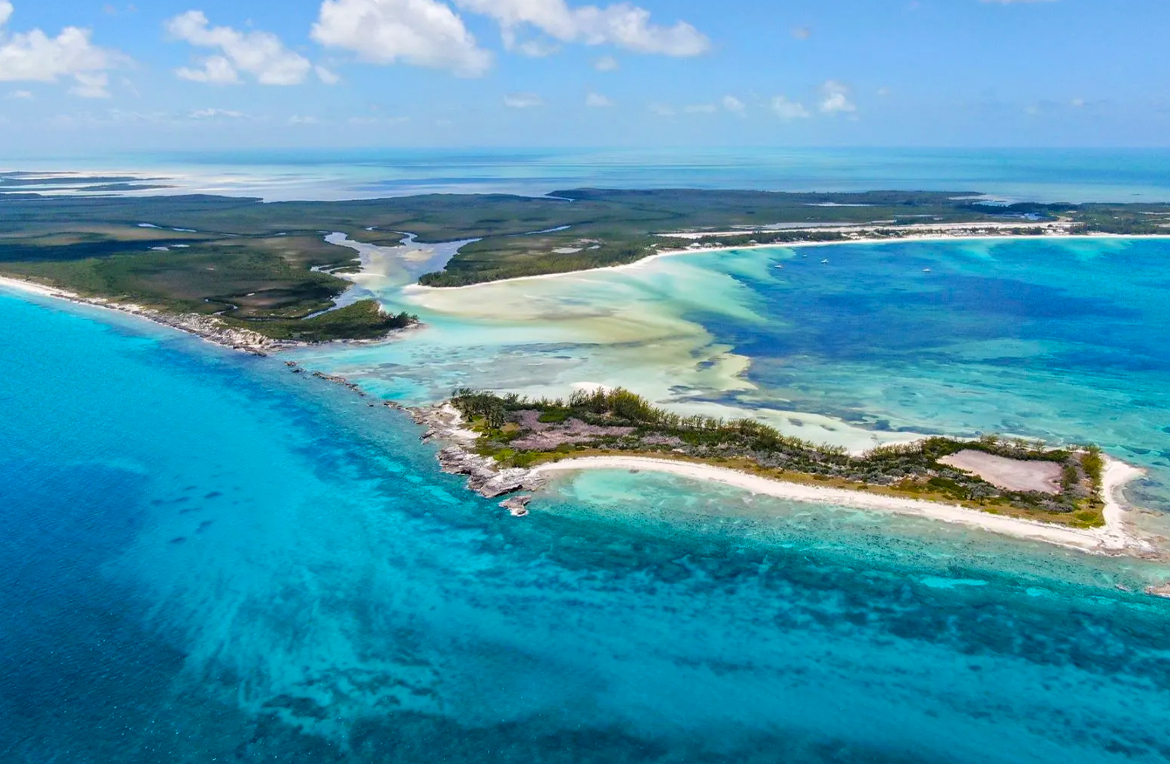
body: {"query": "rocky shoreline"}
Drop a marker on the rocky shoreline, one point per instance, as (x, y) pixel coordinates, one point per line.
(209, 328)
(484, 474)
(444, 424)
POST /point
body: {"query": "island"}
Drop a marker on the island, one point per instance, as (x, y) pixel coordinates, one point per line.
(229, 267)
(508, 446)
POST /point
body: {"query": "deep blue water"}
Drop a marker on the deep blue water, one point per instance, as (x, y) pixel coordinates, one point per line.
(205, 558)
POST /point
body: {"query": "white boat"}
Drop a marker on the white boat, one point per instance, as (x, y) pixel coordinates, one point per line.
(824, 262)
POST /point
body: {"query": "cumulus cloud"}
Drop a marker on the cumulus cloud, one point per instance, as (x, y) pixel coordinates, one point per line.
(260, 54)
(606, 64)
(21, 94)
(734, 105)
(328, 76)
(215, 70)
(786, 109)
(536, 48)
(523, 101)
(33, 56)
(419, 32)
(835, 98)
(598, 101)
(623, 25)
(91, 85)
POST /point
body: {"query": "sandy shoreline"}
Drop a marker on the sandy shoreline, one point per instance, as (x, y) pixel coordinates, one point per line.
(1118, 537)
(419, 288)
(206, 328)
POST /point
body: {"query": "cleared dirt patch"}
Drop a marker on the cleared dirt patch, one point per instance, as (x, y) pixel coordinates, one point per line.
(1008, 474)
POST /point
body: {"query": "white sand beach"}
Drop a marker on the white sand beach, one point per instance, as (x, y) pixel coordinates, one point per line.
(700, 250)
(1118, 537)
(29, 287)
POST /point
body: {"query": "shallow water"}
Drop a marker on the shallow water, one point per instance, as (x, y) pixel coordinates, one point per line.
(204, 557)
(1059, 339)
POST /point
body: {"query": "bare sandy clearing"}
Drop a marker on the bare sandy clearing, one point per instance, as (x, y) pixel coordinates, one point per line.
(1008, 474)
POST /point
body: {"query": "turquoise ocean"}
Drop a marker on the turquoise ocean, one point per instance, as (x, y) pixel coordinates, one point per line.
(205, 557)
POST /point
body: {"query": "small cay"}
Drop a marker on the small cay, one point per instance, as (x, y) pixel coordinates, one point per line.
(508, 445)
(1010, 477)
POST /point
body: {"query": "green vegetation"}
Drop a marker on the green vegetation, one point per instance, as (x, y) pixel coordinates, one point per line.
(520, 432)
(255, 262)
(364, 320)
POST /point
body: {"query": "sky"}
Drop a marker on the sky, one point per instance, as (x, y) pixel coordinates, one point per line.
(92, 76)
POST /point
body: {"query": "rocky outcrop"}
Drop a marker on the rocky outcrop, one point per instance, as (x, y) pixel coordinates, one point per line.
(484, 474)
(517, 505)
(211, 329)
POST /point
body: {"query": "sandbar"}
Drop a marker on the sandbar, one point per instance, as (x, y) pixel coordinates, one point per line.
(707, 249)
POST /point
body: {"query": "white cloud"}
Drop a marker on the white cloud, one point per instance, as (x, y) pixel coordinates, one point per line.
(662, 110)
(33, 56)
(535, 48)
(523, 101)
(91, 85)
(260, 54)
(623, 25)
(21, 94)
(1077, 102)
(297, 120)
(606, 64)
(835, 98)
(216, 114)
(418, 32)
(786, 109)
(884, 92)
(598, 101)
(802, 33)
(701, 108)
(734, 105)
(216, 70)
(328, 76)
